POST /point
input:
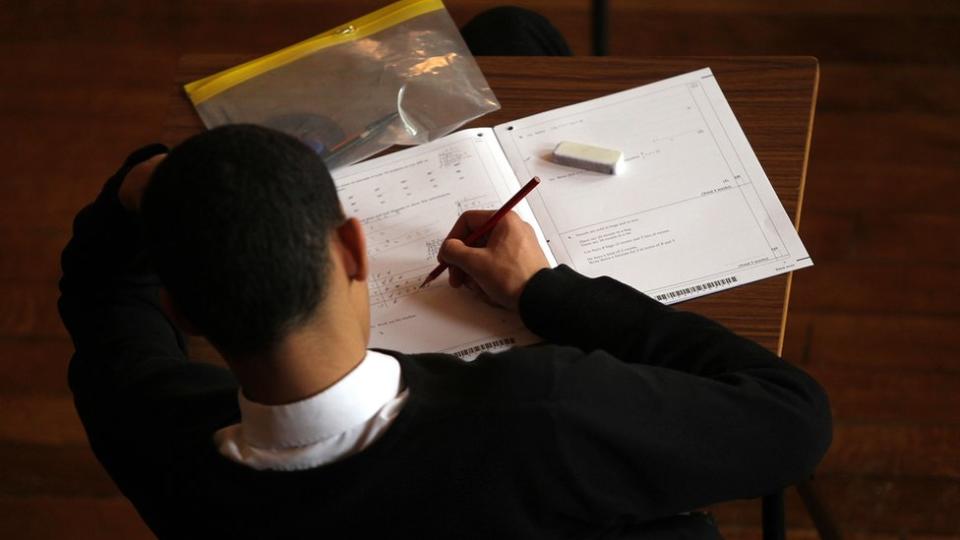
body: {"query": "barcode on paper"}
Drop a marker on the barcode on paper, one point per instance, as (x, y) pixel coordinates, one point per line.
(693, 289)
(476, 349)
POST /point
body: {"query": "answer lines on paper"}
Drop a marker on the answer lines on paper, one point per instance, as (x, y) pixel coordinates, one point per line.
(693, 211)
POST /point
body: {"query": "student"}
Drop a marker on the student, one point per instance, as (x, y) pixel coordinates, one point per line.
(631, 415)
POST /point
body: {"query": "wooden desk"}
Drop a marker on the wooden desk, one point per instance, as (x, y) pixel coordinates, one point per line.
(773, 98)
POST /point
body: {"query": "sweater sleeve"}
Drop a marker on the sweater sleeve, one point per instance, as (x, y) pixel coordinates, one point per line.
(108, 292)
(133, 386)
(658, 411)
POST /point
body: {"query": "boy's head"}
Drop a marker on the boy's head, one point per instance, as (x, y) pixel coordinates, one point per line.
(238, 221)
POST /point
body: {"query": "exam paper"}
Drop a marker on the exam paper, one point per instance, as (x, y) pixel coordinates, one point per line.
(693, 211)
(408, 201)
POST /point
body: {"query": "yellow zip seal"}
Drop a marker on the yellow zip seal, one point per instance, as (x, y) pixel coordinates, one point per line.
(203, 89)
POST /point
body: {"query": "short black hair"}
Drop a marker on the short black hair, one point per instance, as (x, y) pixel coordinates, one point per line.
(236, 221)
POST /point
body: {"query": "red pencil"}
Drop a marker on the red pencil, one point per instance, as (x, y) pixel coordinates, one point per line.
(488, 226)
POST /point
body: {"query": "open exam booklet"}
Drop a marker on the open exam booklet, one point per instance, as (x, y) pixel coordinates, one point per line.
(691, 213)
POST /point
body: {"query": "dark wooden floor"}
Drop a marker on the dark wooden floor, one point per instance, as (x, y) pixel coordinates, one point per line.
(876, 320)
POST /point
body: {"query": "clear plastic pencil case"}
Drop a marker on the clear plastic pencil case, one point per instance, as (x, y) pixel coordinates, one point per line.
(400, 75)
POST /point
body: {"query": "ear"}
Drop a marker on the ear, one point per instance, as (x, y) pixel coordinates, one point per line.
(166, 302)
(354, 252)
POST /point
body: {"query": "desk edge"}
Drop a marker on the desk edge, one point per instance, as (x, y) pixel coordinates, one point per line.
(803, 184)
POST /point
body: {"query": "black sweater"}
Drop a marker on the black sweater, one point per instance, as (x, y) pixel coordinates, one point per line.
(632, 413)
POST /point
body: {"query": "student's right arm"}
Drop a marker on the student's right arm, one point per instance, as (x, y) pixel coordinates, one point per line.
(657, 411)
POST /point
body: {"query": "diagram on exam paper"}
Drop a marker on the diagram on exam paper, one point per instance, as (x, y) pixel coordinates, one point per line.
(407, 204)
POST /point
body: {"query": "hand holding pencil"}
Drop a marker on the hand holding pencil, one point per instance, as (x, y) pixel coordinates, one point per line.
(500, 262)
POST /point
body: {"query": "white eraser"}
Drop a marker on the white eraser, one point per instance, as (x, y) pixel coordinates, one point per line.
(588, 157)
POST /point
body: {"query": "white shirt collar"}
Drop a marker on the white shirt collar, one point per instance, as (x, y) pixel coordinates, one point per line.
(350, 402)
